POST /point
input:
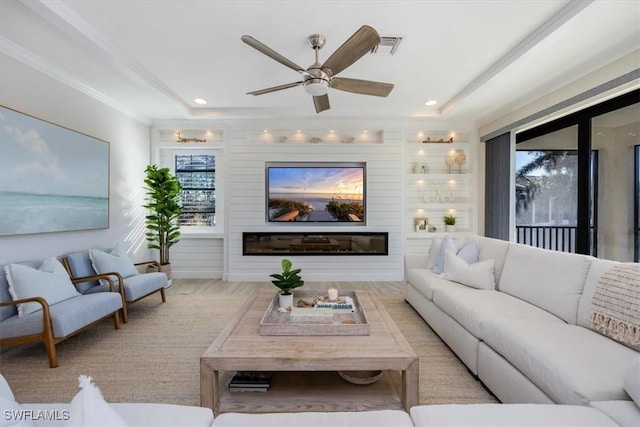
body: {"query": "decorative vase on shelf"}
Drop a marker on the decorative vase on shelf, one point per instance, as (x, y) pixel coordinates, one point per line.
(450, 228)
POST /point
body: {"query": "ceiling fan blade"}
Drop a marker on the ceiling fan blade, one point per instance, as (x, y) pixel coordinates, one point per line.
(361, 42)
(363, 87)
(274, 88)
(321, 103)
(271, 53)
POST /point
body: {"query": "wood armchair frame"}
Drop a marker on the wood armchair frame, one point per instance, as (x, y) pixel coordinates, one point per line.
(46, 336)
(108, 277)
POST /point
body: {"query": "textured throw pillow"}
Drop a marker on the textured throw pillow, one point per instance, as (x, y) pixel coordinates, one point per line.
(632, 381)
(115, 261)
(88, 408)
(468, 251)
(51, 282)
(479, 275)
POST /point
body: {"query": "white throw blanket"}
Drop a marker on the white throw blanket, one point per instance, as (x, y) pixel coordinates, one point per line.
(615, 308)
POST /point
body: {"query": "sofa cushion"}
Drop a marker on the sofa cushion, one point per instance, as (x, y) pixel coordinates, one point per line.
(71, 315)
(571, 364)
(632, 381)
(379, 418)
(66, 316)
(615, 307)
(89, 409)
(50, 281)
(12, 412)
(466, 250)
(116, 260)
(426, 281)
(548, 279)
(470, 307)
(80, 265)
(494, 249)
(507, 415)
(439, 246)
(138, 414)
(10, 310)
(478, 275)
(597, 267)
(136, 287)
(624, 412)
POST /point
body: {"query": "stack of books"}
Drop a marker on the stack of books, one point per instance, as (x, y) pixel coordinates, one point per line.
(343, 305)
(251, 381)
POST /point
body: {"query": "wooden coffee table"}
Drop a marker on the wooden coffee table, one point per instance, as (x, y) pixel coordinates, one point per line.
(304, 367)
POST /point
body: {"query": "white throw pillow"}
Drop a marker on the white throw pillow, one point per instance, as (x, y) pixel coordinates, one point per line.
(469, 251)
(115, 261)
(479, 275)
(632, 381)
(88, 408)
(434, 250)
(51, 282)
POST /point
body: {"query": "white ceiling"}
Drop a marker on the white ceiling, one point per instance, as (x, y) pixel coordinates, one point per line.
(479, 59)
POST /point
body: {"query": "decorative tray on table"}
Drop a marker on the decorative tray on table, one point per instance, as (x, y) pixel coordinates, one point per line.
(305, 319)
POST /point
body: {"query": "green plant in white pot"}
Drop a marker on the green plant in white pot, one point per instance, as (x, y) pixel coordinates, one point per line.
(449, 223)
(287, 281)
(163, 200)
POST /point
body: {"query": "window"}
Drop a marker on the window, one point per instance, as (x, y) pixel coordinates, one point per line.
(197, 176)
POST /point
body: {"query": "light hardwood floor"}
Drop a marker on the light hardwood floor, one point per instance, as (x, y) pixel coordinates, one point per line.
(208, 286)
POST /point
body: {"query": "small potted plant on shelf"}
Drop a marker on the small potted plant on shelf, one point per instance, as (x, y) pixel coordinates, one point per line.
(287, 281)
(449, 223)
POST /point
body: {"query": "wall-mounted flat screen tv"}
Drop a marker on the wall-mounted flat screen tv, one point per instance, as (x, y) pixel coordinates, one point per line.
(316, 192)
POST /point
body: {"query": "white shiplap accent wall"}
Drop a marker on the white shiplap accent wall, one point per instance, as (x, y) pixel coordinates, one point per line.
(246, 154)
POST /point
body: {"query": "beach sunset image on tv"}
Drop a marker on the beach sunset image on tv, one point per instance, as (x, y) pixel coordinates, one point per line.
(321, 192)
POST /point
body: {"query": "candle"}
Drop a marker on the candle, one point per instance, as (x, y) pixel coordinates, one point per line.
(333, 294)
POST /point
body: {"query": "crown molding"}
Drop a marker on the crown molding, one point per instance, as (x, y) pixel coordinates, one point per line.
(28, 58)
(62, 17)
(552, 24)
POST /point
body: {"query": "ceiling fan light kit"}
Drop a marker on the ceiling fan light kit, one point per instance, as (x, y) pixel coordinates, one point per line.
(319, 78)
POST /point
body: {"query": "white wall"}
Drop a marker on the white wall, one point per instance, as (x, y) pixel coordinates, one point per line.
(31, 92)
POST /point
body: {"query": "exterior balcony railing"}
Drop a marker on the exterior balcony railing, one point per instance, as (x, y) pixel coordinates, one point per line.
(554, 237)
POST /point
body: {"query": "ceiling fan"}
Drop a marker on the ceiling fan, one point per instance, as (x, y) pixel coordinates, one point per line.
(318, 78)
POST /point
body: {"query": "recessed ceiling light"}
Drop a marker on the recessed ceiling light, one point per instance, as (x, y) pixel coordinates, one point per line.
(200, 101)
(430, 102)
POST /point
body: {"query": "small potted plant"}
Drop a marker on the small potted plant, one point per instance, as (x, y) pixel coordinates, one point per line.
(449, 223)
(287, 281)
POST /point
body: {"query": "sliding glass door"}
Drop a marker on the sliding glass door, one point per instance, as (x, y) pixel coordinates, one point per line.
(547, 190)
(577, 181)
(616, 134)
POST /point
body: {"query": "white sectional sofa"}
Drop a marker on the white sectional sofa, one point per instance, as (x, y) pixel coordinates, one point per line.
(525, 332)
(89, 410)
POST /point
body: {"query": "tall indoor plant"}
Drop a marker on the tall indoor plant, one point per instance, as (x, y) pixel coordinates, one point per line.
(163, 200)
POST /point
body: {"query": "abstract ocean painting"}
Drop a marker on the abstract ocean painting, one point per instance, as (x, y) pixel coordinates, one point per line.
(51, 178)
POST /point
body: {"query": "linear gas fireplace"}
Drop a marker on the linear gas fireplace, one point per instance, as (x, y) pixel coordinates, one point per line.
(360, 243)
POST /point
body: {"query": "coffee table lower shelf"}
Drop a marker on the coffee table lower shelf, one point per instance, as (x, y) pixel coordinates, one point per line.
(302, 391)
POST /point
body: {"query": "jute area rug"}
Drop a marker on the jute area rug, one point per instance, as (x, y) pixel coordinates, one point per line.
(155, 356)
